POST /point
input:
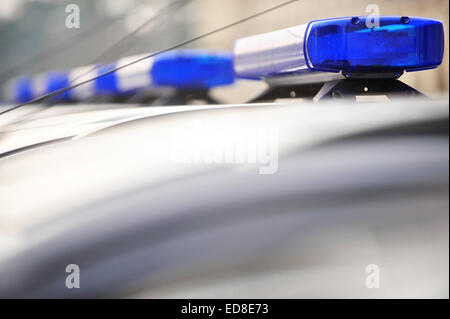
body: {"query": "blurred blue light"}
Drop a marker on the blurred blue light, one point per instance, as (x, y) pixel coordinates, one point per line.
(106, 84)
(22, 90)
(192, 69)
(52, 82)
(184, 69)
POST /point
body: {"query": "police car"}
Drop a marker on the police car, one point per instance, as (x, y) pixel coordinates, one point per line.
(306, 190)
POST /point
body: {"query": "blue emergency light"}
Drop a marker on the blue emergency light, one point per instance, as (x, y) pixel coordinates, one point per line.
(349, 45)
(25, 89)
(384, 45)
(180, 69)
(20, 90)
(192, 69)
(52, 82)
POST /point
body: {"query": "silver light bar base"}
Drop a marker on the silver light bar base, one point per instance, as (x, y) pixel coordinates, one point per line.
(320, 86)
(354, 88)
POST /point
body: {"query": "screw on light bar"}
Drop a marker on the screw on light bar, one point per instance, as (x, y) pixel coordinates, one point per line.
(344, 45)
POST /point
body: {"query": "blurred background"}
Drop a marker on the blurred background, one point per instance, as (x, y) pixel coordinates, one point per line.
(34, 37)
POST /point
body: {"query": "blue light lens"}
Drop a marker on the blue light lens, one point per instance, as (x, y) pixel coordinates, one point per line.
(183, 69)
(350, 45)
(192, 69)
(398, 43)
(22, 90)
(54, 81)
(25, 89)
(106, 84)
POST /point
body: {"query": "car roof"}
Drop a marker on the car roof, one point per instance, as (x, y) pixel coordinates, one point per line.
(138, 151)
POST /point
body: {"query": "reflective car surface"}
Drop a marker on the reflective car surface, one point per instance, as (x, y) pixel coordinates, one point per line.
(146, 211)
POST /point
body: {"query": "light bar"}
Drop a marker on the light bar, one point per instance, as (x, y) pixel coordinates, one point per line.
(181, 69)
(25, 89)
(50, 82)
(192, 69)
(79, 75)
(19, 90)
(128, 79)
(346, 45)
